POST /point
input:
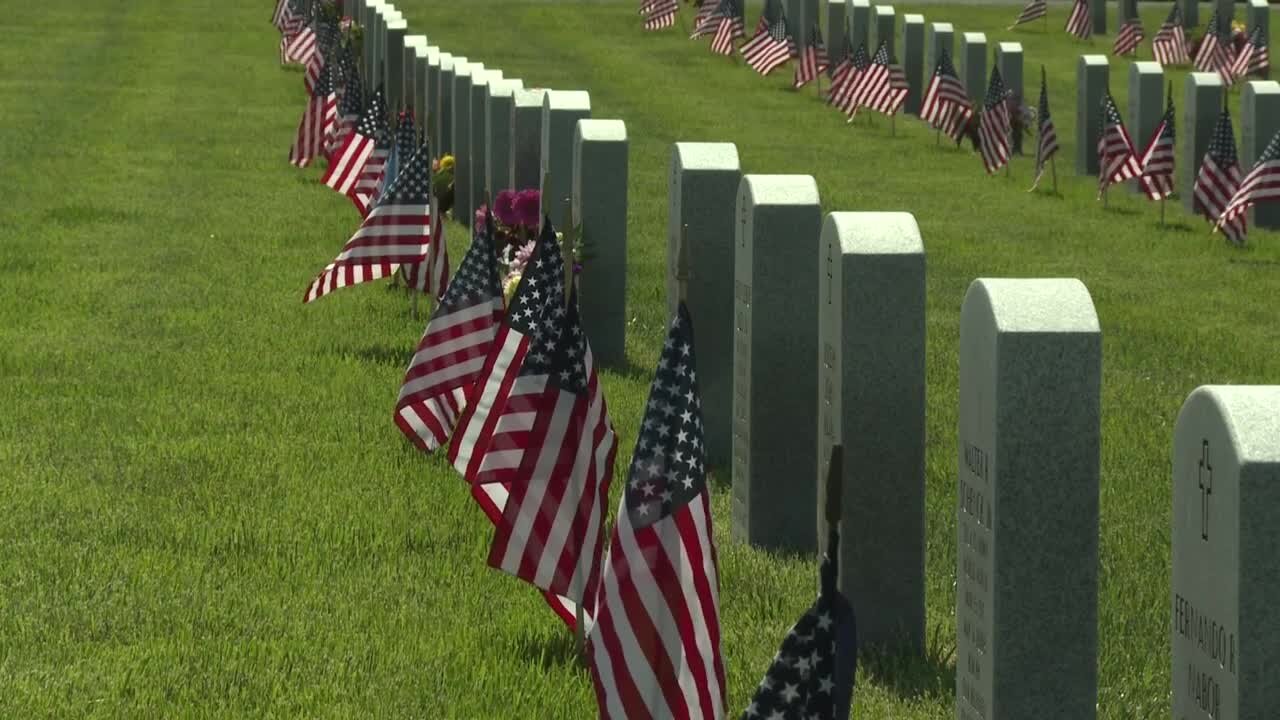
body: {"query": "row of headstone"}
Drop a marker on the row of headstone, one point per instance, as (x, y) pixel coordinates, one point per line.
(1202, 101)
(792, 363)
(505, 136)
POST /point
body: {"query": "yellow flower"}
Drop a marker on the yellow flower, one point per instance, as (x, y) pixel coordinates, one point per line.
(509, 290)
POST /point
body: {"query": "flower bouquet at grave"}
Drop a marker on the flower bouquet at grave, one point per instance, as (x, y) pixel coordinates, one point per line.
(517, 216)
(442, 182)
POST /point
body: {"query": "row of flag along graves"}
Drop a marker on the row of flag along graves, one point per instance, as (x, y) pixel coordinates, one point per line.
(510, 389)
(1222, 192)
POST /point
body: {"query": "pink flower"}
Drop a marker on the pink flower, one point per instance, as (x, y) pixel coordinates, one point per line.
(479, 220)
(504, 207)
(526, 208)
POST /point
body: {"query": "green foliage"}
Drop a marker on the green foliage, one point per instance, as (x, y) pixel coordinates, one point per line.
(208, 510)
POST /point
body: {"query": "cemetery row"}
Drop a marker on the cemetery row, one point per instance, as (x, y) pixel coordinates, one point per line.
(960, 100)
(851, 347)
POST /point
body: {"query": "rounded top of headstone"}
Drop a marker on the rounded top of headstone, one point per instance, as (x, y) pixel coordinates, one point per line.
(529, 97)
(860, 3)
(1200, 79)
(567, 100)
(421, 52)
(1249, 413)
(415, 41)
(973, 38)
(505, 87)
(1262, 87)
(779, 189)
(381, 6)
(462, 68)
(874, 233)
(1146, 67)
(1038, 305)
(374, 4)
(397, 23)
(596, 130)
(1094, 60)
(1009, 47)
(705, 156)
(884, 9)
(913, 19)
(481, 78)
(943, 27)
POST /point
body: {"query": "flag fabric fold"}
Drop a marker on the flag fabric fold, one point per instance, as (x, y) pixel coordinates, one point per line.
(946, 105)
(1117, 159)
(1219, 180)
(1034, 10)
(994, 125)
(813, 61)
(1156, 180)
(1047, 143)
(1169, 45)
(317, 123)
(811, 676)
(654, 651)
(772, 45)
(1262, 184)
(1078, 22)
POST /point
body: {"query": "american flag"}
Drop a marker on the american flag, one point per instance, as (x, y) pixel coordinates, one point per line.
(841, 71)
(1219, 180)
(1254, 57)
(350, 108)
(655, 649)
(369, 175)
(1117, 159)
(813, 61)
(1034, 10)
(431, 276)
(1214, 54)
(327, 38)
(350, 159)
(879, 87)
(1129, 38)
(488, 443)
(453, 348)
(1048, 142)
(317, 123)
(1157, 160)
(812, 675)
(994, 125)
(278, 15)
(703, 24)
(845, 80)
(1078, 23)
(772, 44)
(551, 533)
(660, 14)
(1262, 184)
(728, 28)
(397, 230)
(1169, 46)
(403, 148)
(946, 103)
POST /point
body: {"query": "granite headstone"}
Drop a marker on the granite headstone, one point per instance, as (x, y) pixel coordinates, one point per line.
(526, 139)
(1259, 122)
(561, 111)
(1201, 104)
(1091, 87)
(600, 175)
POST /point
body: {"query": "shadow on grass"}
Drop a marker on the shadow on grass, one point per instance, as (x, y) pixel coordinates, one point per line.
(380, 355)
(911, 676)
(556, 650)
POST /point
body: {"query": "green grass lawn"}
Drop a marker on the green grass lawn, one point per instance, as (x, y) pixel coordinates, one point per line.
(208, 510)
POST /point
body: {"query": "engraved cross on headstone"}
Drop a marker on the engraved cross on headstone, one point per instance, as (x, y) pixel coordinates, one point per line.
(1206, 489)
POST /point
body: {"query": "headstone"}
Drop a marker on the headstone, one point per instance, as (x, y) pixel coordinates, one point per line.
(883, 29)
(1027, 509)
(1259, 14)
(1259, 122)
(561, 111)
(1125, 10)
(860, 24)
(1098, 14)
(1201, 103)
(497, 121)
(377, 43)
(1225, 627)
(775, 362)
(1146, 104)
(479, 137)
(526, 139)
(393, 56)
(1190, 12)
(941, 37)
(913, 60)
(802, 15)
(600, 204)
(1009, 60)
(432, 125)
(837, 30)
(1091, 87)
(368, 9)
(444, 100)
(871, 401)
(703, 191)
(1226, 13)
(415, 69)
(973, 65)
(461, 109)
